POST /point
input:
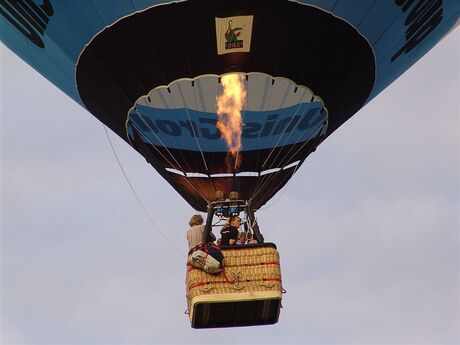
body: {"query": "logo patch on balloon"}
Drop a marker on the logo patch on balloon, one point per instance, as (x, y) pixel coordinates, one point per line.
(233, 34)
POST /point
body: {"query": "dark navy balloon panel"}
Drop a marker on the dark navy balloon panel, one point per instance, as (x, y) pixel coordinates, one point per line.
(150, 70)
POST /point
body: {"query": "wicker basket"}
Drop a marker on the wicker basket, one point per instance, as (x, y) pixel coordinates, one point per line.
(247, 292)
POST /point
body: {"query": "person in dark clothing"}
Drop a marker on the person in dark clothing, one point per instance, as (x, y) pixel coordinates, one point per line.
(230, 231)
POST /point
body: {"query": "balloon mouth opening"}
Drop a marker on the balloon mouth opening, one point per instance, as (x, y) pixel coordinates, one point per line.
(234, 125)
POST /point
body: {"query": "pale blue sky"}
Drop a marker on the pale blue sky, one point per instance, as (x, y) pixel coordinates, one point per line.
(368, 229)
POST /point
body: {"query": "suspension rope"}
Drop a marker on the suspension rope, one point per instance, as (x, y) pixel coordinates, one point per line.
(137, 197)
(178, 164)
(263, 181)
(260, 183)
(196, 107)
(154, 146)
(280, 135)
(287, 138)
(190, 121)
(246, 88)
(283, 191)
(187, 179)
(157, 137)
(287, 157)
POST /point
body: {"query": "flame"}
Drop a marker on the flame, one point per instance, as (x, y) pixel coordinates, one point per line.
(229, 106)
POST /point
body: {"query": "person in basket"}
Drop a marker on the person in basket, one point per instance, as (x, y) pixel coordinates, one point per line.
(230, 231)
(196, 231)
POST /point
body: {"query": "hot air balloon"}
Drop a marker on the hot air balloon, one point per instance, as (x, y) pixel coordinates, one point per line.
(155, 71)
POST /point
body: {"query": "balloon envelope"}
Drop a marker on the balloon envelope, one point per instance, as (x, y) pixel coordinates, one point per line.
(151, 71)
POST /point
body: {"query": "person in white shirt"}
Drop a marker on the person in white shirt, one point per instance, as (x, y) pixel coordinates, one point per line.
(196, 231)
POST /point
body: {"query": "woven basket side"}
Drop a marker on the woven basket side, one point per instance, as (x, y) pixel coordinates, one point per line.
(246, 270)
